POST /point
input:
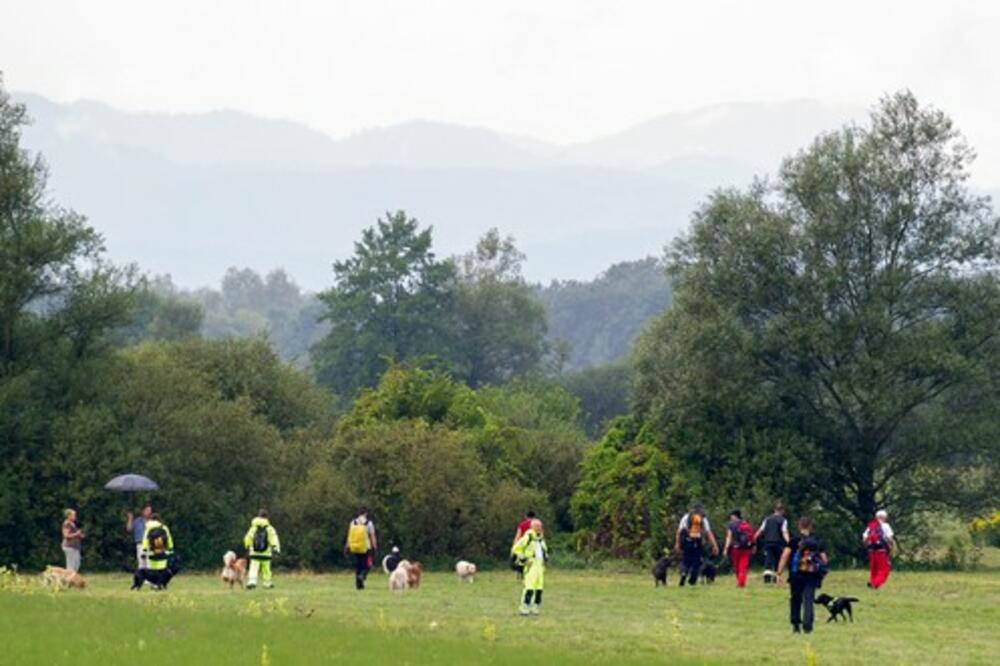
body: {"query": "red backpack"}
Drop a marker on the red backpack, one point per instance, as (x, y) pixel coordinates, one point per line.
(875, 539)
(744, 535)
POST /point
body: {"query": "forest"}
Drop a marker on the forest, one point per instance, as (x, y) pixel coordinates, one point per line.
(828, 337)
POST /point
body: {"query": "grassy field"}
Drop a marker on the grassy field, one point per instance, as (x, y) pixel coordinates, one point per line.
(589, 617)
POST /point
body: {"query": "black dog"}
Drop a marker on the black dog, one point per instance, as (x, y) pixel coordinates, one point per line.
(839, 607)
(709, 570)
(660, 570)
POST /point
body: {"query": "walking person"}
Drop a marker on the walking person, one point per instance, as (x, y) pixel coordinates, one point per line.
(806, 560)
(136, 526)
(739, 545)
(879, 539)
(361, 546)
(773, 535)
(532, 553)
(692, 532)
(522, 527)
(72, 540)
(261, 542)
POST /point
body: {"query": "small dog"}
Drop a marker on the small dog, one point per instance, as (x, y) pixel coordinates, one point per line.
(413, 574)
(839, 607)
(659, 570)
(466, 571)
(233, 570)
(709, 571)
(399, 579)
(391, 561)
(60, 577)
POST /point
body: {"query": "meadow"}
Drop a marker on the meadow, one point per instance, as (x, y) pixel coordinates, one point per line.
(589, 617)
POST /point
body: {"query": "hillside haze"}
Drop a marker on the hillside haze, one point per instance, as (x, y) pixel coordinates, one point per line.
(192, 194)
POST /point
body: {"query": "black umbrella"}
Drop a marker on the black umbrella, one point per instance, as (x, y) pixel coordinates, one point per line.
(131, 483)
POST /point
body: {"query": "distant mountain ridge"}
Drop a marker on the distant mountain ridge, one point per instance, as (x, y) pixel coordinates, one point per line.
(192, 194)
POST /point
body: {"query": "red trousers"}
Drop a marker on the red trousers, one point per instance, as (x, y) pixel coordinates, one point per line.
(878, 567)
(740, 558)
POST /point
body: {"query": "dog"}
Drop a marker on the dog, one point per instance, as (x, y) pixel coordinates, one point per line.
(391, 561)
(466, 571)
(413, 574)
(399, 579)
(709, 570)
(659, 570)
(233, 570)
(839, 607)
(63, 578)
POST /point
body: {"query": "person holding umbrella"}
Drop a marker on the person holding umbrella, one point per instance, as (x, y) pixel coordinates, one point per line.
(136, 526)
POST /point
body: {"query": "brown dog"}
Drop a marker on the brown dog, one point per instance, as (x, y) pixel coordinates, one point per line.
(61, 577)
(233, 570)
(413, 574)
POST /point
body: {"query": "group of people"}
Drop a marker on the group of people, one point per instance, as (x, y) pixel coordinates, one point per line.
(802, 555)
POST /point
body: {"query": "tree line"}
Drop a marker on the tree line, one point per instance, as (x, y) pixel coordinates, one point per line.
(831, 342)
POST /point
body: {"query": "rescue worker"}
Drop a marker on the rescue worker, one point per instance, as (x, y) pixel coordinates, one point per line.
(158, 551)
(261, 542)
(531, 553)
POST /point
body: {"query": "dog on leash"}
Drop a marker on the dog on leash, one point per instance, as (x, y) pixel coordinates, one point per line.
(466, 571)
(709, 571)
(63, 578)
(839, 607)
(659, 570)
(233, 570)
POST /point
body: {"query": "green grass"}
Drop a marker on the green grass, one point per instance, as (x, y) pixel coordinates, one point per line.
(589, 617)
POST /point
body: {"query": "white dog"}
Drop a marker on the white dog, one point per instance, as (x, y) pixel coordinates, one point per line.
(466, 571)
(399, 579)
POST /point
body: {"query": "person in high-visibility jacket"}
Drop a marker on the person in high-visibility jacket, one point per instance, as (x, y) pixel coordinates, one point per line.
(531, 552)
(262, 544)
(157, 548)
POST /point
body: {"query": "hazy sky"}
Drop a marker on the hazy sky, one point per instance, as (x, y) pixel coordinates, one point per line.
(562, 70)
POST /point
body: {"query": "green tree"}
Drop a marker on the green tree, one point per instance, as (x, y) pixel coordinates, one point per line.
(630, 493)
(501, 323)
(59, 299)
(393, 300)
(854, 303)
(604, 392)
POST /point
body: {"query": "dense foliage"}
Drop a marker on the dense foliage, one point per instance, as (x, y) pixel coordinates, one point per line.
(843, 321)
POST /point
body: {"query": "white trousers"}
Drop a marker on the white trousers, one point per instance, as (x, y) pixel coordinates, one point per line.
(72, 558)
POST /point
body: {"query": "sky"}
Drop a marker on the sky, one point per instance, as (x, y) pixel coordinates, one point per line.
(558, 70)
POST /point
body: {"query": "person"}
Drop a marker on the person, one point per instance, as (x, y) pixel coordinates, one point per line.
(137, 527)
(72, 538)
(158, 551)
(261, 542)
(532, 553)
(739, 545)
(806, 560)
(879, 539)
(773, 533)
(522, 527)
(693, 529)
(361, 546)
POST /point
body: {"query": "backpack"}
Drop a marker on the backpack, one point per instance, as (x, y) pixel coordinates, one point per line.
(157, 540)
(875, 540)
(806, 559)
(694, 526)
(357, 538)
(743, 535)
(260, 539)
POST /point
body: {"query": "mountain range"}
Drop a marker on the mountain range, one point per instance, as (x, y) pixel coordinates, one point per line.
(192, 194)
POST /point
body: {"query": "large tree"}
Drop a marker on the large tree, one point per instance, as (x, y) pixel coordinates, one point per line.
(851, 308)
(393, 300)
(501, 322)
